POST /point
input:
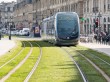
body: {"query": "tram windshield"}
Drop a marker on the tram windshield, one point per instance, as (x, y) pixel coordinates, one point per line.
(67, 25)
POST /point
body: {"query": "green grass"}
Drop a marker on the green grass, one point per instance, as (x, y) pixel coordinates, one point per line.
(12, 53)
(55, 66)
(90, 72)
(24, 70)
(85, 51)
(4, 70)
(5, 36)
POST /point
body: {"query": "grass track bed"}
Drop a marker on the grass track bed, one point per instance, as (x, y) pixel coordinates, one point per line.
(4, 70)
(24, 70)
(55, 66)
(13, 52)
(91, 55)
(90, 72)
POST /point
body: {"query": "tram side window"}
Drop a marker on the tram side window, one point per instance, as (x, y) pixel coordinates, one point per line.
(53, 28)
(47, 31)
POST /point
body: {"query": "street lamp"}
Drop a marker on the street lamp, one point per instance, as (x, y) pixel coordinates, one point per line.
(99, 27)
(0, 24)
(0, 33)
(10, 24)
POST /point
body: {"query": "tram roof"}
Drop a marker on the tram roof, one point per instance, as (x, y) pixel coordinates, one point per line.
(47, 19)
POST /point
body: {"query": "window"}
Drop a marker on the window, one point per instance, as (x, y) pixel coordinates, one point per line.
(95, 5)
(104, 5)
(29, 1)
(104, 19)
(109, 28)
(108, 4)
(87, 6)
(108, 19)
(94, 20)
(87, 20)
(84, 6)
(8, 9)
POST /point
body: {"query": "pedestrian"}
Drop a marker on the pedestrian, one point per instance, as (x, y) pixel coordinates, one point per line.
(99, 38)
(103, 37)
(28, 34)
(95, 37)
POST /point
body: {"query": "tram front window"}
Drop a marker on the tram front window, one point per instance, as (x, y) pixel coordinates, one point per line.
(67, 26)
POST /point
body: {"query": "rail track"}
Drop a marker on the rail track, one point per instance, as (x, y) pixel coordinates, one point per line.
(31, 53)
(94, 60)
(100, 64)
(13, 57)
(81, 72)
(96, 66)
(94, 56)
(18, 66)
(100, 72)
(35, 66)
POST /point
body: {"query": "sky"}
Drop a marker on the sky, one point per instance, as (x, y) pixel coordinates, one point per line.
(7, 0)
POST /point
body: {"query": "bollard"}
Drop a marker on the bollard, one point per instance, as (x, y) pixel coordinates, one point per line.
(0, 36)
(9, 37)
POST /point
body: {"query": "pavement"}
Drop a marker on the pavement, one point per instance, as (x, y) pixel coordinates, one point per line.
(6, 45)
(98, 47)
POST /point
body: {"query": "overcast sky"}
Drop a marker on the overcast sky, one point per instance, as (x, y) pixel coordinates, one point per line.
(6, 0)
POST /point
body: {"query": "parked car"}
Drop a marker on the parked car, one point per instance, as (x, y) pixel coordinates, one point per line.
(24, 32)
(17, 32)
(20, 32)
(12, 32)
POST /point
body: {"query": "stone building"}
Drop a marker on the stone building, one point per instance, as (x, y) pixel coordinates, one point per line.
(6, 13)
(96, 10)
(46, 8)
(28, 12)
(23, 16)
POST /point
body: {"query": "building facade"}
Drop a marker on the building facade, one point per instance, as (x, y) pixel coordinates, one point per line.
(46, 8)
(6, 14)
(96, 11)
(2, 15)
(23, 16)
(27, 12)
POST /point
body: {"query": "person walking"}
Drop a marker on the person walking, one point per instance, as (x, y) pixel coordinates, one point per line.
(103, 37)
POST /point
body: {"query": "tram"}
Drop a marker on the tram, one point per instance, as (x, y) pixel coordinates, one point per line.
(62, 29)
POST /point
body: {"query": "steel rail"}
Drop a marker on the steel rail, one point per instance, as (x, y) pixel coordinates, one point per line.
(99, 58)
(35, 66)
(13, 57)
(96, 67)
(19, 65)
(82, 74)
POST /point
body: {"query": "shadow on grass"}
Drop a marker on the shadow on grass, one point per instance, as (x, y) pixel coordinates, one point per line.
(41, 43)
(73, 76)
(44, 43)
(66, 66)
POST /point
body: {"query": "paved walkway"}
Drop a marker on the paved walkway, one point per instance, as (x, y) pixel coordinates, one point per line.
(6, 45)
(99, 47)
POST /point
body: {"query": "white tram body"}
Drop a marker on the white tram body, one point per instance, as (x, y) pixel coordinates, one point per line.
(63, 28)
